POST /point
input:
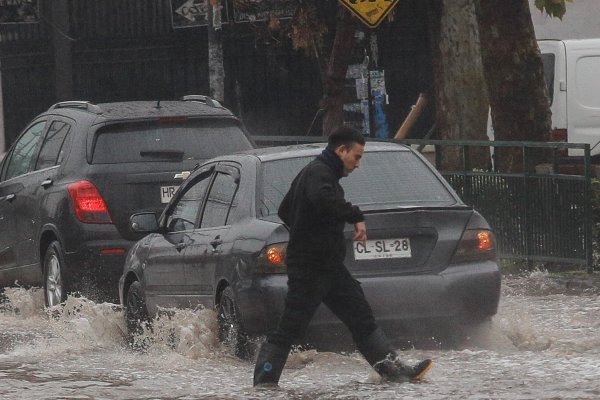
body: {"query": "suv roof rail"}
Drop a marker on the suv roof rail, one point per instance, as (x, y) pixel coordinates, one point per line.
(86, 105)
(203, 99)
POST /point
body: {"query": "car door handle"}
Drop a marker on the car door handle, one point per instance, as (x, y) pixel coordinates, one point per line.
(46, 183)
(9, 197)
(180, 246)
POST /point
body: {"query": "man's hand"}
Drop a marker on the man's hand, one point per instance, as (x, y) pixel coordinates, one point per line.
(360, 231)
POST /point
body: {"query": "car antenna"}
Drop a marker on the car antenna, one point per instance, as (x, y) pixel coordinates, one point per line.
(157, 104)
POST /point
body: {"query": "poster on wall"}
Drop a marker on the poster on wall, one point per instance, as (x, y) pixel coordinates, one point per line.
(19, 11)
(262, 10)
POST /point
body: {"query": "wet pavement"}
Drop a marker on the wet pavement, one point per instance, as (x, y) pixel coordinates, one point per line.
(543, 344)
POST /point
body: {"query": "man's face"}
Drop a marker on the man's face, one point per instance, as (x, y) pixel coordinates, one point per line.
(350, 156)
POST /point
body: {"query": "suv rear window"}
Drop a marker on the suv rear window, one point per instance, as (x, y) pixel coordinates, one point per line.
(194, 139)
(385, 178)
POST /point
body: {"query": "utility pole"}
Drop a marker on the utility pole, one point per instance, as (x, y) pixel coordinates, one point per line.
(63, 57)
(216, 70)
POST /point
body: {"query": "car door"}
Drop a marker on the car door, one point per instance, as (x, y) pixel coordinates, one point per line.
(33, 205)
(14, 199)
(166, 283)
(212, 243)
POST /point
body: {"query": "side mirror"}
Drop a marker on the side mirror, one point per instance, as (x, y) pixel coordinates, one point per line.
(145, 222)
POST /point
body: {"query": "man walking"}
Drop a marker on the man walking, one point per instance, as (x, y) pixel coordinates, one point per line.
(315, 211)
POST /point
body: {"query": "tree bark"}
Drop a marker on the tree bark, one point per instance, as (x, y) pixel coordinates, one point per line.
(459, 91)
(335, 75)
(515, 78)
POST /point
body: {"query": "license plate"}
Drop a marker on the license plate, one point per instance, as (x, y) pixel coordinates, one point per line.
(166, 192)
(382, 248)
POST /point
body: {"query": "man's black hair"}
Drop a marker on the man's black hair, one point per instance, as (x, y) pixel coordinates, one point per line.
(345, 136)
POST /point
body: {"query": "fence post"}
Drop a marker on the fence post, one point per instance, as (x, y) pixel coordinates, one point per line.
(587, 195)
(2, 137)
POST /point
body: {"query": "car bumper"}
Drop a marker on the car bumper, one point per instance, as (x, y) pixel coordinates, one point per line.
(460, 292)
(94, 268)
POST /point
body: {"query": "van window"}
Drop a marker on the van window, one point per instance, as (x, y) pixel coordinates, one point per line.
(588, 84)
(548, 60)
(175, 142)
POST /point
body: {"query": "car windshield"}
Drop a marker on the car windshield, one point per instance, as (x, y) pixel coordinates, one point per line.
(385, 179)
(174, 141)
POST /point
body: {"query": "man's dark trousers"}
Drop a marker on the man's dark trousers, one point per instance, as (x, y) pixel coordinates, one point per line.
(308, 287)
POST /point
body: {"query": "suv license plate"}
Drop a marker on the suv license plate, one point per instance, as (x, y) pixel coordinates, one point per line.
(382, 248)
(166, 192)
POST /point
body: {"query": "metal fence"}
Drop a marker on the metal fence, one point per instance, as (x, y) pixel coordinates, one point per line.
(536, 217)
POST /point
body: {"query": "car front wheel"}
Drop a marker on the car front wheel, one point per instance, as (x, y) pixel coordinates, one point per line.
(55, 288)
(136, 316)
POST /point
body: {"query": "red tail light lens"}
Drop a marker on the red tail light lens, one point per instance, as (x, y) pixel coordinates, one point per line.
(88, 204)
(475, 245)
(271, 259)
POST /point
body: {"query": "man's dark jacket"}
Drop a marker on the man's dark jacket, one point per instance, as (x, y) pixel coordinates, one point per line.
(316, 211)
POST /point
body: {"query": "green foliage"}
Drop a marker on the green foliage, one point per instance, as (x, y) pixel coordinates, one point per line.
(554, 8)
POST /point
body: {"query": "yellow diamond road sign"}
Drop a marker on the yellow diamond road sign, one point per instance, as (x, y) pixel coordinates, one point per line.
(371, 12)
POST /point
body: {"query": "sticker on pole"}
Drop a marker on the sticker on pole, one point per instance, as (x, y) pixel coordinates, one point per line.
(371, 12)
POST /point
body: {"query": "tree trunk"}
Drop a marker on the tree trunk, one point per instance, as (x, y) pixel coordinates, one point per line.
(335, 75)
(515, 78)
(459, 91)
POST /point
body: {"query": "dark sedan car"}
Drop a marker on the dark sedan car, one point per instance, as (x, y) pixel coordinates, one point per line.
(430, 259)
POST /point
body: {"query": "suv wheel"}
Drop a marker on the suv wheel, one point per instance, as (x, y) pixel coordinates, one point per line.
(55, 289)
(136, 317)
(231, 332)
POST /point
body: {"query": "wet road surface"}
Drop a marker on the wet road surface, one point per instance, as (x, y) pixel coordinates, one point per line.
(543, 344)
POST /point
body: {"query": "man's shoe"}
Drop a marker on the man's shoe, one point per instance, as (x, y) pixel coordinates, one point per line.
(397, 371)
(419, 370)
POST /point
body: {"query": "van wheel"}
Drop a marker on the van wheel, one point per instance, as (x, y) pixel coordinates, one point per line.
(231, 332)
(137, 317)
(55, 284)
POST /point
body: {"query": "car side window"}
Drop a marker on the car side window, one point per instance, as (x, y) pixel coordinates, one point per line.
(52, 151)
(219, 201)
(187, 207)
(21, 157)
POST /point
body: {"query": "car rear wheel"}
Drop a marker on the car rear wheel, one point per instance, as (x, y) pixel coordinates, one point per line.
(136, 316)
(55, 288)
(231, 332)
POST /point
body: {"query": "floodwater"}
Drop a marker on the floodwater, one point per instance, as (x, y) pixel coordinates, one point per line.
(543, 344)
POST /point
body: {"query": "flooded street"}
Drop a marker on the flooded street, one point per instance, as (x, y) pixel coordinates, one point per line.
(543, 344)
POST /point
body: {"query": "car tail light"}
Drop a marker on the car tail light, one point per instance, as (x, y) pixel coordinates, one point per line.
(475, 245)
(271, 259)
(88, 204)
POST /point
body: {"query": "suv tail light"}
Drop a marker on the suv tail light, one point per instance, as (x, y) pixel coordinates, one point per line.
(271, 259)
(88, 204)
(475, 245)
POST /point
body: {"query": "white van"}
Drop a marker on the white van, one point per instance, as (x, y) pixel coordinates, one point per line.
(572, 71)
